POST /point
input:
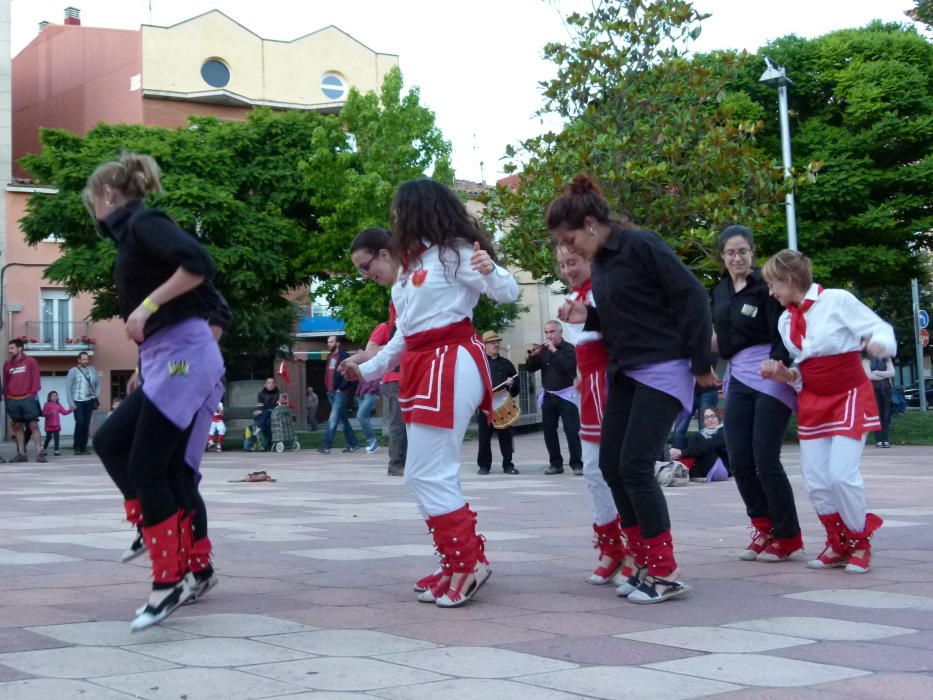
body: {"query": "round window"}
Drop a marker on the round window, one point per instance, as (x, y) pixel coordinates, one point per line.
(215, 73)
(333, 86)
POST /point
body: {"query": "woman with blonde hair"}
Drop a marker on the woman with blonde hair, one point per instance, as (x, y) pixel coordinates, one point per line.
(166, 297)
(825, 331)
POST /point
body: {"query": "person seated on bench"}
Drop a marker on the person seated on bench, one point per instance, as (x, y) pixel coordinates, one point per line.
(705, 453)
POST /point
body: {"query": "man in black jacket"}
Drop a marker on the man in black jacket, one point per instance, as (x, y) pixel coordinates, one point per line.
(340, 393)
(502, 372)
(557, 361)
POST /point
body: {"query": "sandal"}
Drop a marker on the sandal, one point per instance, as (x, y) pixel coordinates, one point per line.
(648, 593)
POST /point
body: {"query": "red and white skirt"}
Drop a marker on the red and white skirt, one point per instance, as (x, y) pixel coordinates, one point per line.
(592, 359)
(426, 381)
(837, 398)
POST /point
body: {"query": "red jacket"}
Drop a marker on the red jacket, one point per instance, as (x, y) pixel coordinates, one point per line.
(21, 378)
(53, 412)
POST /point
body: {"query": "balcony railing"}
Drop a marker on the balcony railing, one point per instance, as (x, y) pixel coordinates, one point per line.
(59, 336)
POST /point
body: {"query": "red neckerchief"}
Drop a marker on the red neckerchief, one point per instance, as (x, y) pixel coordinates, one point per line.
(393, 314)
(583, 290)
(798, 323)
(413, 255)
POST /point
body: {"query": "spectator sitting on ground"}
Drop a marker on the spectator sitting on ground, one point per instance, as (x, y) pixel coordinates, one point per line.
(705, 453)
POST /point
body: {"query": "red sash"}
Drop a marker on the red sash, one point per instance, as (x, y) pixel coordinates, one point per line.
(426, 384)
(837, 398)
(592, 359)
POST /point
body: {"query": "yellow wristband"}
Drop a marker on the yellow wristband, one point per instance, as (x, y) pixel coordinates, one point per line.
(150, 305)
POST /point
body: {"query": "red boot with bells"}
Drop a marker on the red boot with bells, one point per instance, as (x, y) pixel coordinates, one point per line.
(860, 545)
(463, 560)
(169, 585)
(611, 548)
(782, 548)
(134, 516)
(836, 551)
(761, 535)
(635, 562)
(661, 582)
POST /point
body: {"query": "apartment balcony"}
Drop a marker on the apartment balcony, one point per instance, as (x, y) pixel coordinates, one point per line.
(58, 338)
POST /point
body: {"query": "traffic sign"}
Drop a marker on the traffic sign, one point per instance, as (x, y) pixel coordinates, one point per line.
(924, 318)
(924, 337)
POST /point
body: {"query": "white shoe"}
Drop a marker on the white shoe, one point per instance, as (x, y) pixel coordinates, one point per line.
(136, 548)
(152, 615)
(454, 599)
(372, 447)
(650, 591)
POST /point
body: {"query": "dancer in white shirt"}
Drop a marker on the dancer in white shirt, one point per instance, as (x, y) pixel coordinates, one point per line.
(615, 563)
(825, 331)
(446, 262)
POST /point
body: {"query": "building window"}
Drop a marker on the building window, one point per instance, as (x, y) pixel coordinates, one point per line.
(215, 73)
(56, 317)
(118, 381)
(333, 86)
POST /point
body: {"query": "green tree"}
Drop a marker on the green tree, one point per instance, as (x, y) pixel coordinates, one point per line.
(276, 199)
(669, 144)
(861, 104)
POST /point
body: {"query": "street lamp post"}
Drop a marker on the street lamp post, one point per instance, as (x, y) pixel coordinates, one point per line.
(775, 76)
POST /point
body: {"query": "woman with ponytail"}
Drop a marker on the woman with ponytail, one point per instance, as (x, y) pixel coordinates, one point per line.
(655, 321)
(445, 262)
(166, 297)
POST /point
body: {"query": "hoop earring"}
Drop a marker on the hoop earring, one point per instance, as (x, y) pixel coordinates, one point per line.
(108, 202)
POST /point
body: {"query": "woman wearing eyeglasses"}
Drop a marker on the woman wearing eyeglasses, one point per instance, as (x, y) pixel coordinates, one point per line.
(745, 319)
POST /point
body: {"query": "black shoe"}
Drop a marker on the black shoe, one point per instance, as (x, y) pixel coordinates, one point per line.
(351, 449)
(482, 471)
(152, 615)
(136, 548)
(323, 450)
(510, 470)
(396, 471)
(554, 470)
(578, 471)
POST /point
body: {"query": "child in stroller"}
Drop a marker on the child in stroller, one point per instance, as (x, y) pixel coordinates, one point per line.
(252, 436)
(283, 427)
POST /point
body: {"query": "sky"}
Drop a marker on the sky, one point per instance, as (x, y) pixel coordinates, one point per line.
(477, 64)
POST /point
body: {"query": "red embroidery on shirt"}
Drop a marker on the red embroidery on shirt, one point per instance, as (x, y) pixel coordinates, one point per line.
(417, 278)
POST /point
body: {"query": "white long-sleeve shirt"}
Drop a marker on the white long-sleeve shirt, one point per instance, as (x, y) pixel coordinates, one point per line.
(836, 323)
(574, 333)
(433, 294)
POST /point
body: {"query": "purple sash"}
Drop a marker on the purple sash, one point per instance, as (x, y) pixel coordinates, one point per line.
(568, 393)
(182, 371)
(744, 366)
(672, 377)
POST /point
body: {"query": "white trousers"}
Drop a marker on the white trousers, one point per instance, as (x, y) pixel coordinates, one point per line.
(604, 508)
(432, 465)
(830, 470)
(218, 428)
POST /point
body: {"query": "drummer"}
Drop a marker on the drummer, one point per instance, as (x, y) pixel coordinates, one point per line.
(505, 383)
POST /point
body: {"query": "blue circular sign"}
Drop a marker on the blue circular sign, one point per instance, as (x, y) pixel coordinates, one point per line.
(924, 318)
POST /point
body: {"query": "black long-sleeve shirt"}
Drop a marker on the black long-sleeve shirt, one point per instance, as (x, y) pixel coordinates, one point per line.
(501, 369)
(747, 317)
(558, 369)
(651, 307)
(150, 248)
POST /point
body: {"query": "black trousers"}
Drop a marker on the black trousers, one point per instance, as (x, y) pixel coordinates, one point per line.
(553, 409)
(883, 393)
(144, 454)
(636, 422)
(754, 426)
(83, 412)
(51, 437)
(506, 445)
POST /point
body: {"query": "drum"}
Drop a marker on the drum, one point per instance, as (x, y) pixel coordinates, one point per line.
(504, 410)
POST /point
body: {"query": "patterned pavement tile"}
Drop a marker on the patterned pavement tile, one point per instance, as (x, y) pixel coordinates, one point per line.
(218, 652)
(347, 642)
(865, 599)
(758, 670)
(46, 688)
(107, 634)
(344, 673)
(20, 639)
(465, 633)
(715, 639)
(17, 616)
(471, 688)
(80, 662)
(223, 625)
(884, 686)
(865, 655)
(822, 628)
(615, 683)
(477, 662)
(197, 684)
(602, 651)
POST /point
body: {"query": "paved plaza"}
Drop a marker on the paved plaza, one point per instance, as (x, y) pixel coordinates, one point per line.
(315, 596)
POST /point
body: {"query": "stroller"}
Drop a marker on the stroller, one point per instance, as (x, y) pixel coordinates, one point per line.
(283, 427)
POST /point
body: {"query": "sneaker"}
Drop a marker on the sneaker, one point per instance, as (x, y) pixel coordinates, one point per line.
(510, 470)
(657, 590)
(482, 471)
(200, 582)
(373, 446)
(57, 453)
(578, 471)
(879, 444)
(759, 541)
(20, 458)
(42, 457)
(347, 450)
(219, 448)
(136, 548)
(554, 470)
(396, 471)
(323, 450)
(885, 444)
(776, 550)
